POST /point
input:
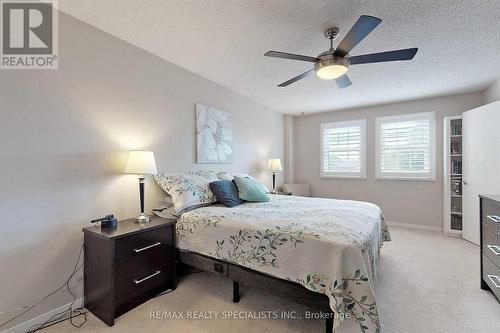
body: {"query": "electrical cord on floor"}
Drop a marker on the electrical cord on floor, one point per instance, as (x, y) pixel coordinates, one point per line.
(77, 281)
(61, 320)
(60, 314)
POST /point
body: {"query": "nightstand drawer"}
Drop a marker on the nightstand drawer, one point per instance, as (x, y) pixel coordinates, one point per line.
(153, 257)
(490, 216)
(142, 246)
(491, 245)
(132, 284)
(144, 262)
(491, 275)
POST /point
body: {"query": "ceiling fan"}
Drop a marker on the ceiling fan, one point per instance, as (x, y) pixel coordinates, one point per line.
(334, 63)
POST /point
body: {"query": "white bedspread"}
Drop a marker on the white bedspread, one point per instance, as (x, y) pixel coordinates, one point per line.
(329, 246)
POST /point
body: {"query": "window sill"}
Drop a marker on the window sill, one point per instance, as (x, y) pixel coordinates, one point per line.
(342, 177)
(415, 179)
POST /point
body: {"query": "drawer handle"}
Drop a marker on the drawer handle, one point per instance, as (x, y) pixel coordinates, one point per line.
(494, 218)
(146, 247)
(495, 249)
(137, 281)
(494, 280)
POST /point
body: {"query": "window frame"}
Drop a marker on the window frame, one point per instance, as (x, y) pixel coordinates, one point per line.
(428, 176)
(340, 124)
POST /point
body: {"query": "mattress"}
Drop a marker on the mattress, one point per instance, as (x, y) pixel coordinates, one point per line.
(329, 246)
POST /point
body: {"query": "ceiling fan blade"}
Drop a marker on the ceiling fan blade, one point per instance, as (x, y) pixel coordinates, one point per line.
(358, 32)
(291, 56)
(343, 82)
(406, 54)
(295, 79)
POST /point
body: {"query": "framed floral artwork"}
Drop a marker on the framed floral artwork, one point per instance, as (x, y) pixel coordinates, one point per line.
(214, 135)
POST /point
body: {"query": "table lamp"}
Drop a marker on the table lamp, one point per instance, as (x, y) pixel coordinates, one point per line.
(274, 166)
(141, 163)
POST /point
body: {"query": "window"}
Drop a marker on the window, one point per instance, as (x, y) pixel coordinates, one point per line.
(406, 146)
(343, 149)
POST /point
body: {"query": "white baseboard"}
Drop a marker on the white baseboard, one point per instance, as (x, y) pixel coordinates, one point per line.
(26, 325)
(414, 226)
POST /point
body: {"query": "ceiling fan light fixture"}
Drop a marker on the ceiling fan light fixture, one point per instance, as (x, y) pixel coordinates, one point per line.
(331, 69)
(334, 63)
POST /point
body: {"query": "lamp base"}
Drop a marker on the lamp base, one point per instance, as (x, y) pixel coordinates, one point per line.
(143, 218)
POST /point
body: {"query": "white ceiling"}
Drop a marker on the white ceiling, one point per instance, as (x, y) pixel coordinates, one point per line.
(224, 41)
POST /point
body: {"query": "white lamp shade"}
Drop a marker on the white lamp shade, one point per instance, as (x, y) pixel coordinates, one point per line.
(275, 164)
(141, 162)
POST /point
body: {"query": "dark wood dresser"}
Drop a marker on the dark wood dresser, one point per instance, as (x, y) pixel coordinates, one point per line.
(490, 243)
(127, 265)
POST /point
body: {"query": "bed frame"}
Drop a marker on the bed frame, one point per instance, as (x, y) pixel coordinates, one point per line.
(253, 279)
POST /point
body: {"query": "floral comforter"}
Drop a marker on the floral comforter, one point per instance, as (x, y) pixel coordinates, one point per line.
(329, 246)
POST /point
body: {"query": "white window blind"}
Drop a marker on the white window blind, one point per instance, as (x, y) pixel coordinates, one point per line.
(405, 146)
(343, 148)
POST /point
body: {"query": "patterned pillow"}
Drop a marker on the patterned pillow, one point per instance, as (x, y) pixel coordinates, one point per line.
(189, 189)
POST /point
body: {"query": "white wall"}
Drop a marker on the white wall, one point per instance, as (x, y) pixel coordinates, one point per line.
(288, 148)
(62, 137)
(492, 93)
(413, 202)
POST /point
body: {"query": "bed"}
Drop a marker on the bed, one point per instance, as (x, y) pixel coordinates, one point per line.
(331, 247)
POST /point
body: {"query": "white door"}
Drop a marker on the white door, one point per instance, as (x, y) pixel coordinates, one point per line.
(481, 163)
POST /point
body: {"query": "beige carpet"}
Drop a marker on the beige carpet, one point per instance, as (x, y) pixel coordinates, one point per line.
(427, 283)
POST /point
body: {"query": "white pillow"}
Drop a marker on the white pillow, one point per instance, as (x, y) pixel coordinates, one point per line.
(230, 176)
(189, 189)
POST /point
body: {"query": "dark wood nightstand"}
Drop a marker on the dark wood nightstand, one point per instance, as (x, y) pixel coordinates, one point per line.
(127, 265)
